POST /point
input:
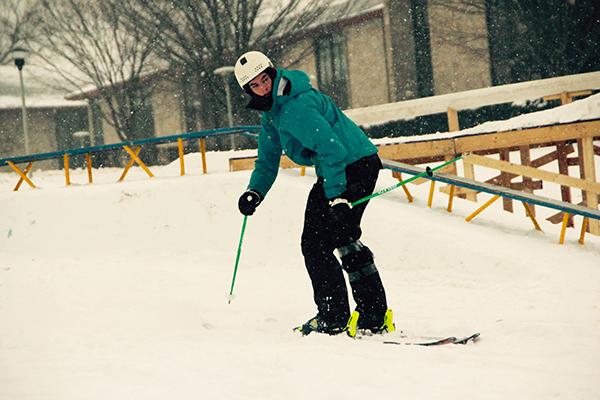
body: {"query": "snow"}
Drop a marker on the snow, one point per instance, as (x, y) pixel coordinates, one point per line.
(41, 101)
(119, 291)
(472, 99)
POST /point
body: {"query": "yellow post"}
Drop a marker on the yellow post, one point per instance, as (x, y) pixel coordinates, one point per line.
(181, 162)
(27, 169)
(129, 164)
(66, 163)
(398, 176)
(483, 207)
(88, 160)
(583, 230)
(302, 171)
(431, 190)
(203, 152)
(138, 160)
(565, 221)
(451, 198)
(529, 213)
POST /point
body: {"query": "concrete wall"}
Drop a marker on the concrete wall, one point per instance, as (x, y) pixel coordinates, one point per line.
(367, 66)
(459, 46)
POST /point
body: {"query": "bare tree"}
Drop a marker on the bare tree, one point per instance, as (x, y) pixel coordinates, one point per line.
(99, 57)
(198, 36)
(18, 22)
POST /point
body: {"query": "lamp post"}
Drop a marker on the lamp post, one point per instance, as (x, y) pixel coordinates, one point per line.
(19, 54)
(224, 72)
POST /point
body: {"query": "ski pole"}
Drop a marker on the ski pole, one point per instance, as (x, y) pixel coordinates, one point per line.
(428, 172)
(237, 259)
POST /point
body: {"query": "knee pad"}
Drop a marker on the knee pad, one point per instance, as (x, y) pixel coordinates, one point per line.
(357, 260)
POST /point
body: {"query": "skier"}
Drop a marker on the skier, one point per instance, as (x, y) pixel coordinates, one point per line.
(312, 131)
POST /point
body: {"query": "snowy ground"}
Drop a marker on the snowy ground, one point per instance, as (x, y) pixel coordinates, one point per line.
(118, 291)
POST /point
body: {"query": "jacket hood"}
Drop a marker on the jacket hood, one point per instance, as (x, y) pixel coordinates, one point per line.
(299, 83)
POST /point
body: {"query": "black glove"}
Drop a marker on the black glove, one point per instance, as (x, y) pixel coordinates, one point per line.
(343, 222)
(248, 201)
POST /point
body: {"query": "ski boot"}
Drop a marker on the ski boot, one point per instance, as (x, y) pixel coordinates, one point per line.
(315, 324)
(354, 326)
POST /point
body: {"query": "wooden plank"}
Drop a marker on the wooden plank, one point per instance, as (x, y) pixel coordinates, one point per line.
(453, 124)
(563, 168)
(531, 136)
(533, 172)
(505, 181)
(589, 168)
(405, 151)
(559, 96)
(247, 163)
(548, 158)
(469, 173)
(525, 156)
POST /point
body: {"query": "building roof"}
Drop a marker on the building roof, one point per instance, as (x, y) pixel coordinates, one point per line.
(37, 93)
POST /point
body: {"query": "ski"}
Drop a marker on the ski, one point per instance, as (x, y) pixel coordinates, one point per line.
(439, 342)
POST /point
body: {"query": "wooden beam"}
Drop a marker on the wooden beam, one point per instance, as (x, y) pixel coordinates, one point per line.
(533, 172)
(548, 158)
(563, 168)
(406, 151)
(505, 181)
(247, 163)
(453, 124)
(527, 181)
(589, 168)
(566, 95)
(469, 173)
(531, 136)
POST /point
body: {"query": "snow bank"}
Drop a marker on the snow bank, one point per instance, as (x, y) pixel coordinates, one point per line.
(118, 291)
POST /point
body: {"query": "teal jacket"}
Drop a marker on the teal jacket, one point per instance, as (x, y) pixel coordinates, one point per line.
(312, 131)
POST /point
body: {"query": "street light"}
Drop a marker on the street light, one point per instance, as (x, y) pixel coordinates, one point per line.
(19, 54)
(225, 72)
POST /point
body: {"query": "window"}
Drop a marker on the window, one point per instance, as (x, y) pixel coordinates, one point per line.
(332, 67)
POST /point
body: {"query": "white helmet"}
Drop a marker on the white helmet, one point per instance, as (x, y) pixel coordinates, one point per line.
(249, 66)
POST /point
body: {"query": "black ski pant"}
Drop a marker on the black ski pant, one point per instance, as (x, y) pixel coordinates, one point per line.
(320, 240)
